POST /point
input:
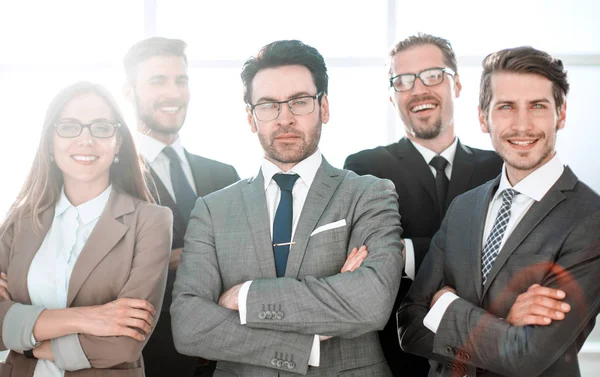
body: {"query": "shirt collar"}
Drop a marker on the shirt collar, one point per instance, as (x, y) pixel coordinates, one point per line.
(537, 183)
(150, 148)
(88, 211)
(428, 154)
(306, 169)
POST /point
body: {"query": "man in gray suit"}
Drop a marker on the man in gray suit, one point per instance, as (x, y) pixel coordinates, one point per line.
(510, 284)
(270, 281)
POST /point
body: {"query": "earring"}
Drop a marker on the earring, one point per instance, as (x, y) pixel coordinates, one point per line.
(116, 160)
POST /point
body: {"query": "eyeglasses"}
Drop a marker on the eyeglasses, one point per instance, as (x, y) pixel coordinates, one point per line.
(267, 111)
(429, 77)
(101, 130)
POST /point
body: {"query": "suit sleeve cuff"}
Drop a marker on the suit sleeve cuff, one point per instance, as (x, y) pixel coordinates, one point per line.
(68, 353)
(434, 317)
(242, 298)
(409, 263)
(17, 328)
(315, 353)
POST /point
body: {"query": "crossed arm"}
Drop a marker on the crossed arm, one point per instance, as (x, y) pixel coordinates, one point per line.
(538, 328)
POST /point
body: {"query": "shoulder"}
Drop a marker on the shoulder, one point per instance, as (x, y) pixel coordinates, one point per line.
(483, 155)
(367, 155)
(150, 213)
(196, 160)
(364, 183)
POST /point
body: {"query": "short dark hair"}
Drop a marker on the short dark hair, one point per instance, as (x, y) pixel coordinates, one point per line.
(281, 53)
(523, 59)
(147, 48)
(421, 39)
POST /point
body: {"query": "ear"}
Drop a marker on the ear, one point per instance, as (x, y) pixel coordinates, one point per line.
(457, 86)
(324, 108)
(483, 121)
(562, 116)
(251, 120)
(129, 92)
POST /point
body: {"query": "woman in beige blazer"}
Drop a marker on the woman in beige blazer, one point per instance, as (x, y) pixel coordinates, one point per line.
(83, 251)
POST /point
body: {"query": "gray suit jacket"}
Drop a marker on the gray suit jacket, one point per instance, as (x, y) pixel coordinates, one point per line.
(229, 242)
(556, 244)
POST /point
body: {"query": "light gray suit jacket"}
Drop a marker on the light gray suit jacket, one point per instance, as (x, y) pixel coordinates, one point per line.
(228, 242)
(556, 244)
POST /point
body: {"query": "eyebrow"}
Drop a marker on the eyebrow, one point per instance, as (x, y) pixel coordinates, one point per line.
(97, 120)
(538, 100)
(293, 96)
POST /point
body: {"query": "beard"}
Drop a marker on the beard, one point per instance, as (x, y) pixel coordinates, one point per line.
(152, 124)
(291, 153)
(426, 132)
(525, 161)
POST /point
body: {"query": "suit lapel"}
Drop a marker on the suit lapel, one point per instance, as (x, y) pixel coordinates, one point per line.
(477, 227)
(27, 243)
(255, 204)
(462, 170)
(203, 185)
(532, 218)
(164, 199)
(321, 191)
(416, 166)
(107, 232)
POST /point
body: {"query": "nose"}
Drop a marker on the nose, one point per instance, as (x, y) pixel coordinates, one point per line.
(85, 137)
(522, 120)
(173, 90)
(286, 117)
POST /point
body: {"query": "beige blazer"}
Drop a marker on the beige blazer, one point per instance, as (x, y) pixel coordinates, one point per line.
(126, 255)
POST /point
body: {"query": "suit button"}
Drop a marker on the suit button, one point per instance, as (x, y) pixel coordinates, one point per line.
(279, 315)
(274, 361)
(279, 363)
(449, 350)
(268, 315)
(291, 365)
(261, 315)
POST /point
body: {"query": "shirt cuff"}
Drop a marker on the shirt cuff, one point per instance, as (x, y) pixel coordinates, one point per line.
(434, 317)
(315, 353)
(409, 263)
(68, 353)
(242, 298)
(17, 328)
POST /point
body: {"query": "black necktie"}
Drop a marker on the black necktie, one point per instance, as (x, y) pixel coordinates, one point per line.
(185, 198)
(282, 224)
(441, 181)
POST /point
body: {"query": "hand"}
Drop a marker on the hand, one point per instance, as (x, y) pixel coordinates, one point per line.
(439, 294)
(44, 351)
(4, 287)
(175, 258)
(355, 259)
(122, 317)
(538, 306)
(229, 298)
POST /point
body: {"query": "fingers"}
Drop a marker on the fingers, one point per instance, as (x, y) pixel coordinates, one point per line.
(4, 294)
(355, 259)
(538, 306)
(546, 292)
(137, 304)
(139, 324)
(132, 333)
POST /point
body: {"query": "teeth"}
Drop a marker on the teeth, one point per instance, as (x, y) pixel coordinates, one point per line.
(425, 106)
(170, 109)
(522, 143)
(85, 158)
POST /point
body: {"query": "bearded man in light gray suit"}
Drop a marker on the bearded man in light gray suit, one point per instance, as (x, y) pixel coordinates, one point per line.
(270, 281)
(509, 286)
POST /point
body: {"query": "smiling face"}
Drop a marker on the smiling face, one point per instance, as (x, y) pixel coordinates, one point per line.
(161, 94)
(289, 138)
(426, 111)
(522, 121)
(85, 160)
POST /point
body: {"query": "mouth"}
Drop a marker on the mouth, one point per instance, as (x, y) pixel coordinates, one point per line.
(423, 107)
(84, 159)
(522, 144)
(170, 110)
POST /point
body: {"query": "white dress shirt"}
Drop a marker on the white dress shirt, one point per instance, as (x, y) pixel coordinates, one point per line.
(531, 189)
(51, 268)
(428, 155)
(152, 151)
(307, 170)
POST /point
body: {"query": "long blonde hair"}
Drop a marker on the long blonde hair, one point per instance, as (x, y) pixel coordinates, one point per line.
(42, 187)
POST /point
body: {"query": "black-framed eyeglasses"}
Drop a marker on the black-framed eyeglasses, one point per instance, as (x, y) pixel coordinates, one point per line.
(267, 111)
(101, 130)
(429, 77)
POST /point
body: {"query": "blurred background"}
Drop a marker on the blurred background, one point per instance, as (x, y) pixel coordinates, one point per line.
(46, 45)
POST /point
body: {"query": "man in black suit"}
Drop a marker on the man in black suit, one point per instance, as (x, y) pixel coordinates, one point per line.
(509, 286)
(157, 85)
(423, 86)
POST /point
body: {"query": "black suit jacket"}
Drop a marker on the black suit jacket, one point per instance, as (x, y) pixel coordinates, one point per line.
(556, 244)
(402, 164)
(160, 356)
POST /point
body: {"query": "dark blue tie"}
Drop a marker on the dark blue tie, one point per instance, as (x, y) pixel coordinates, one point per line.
(282, 224)
(185, 198)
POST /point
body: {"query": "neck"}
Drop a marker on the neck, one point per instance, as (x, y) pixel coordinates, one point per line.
(166, 138)
(79, 193)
